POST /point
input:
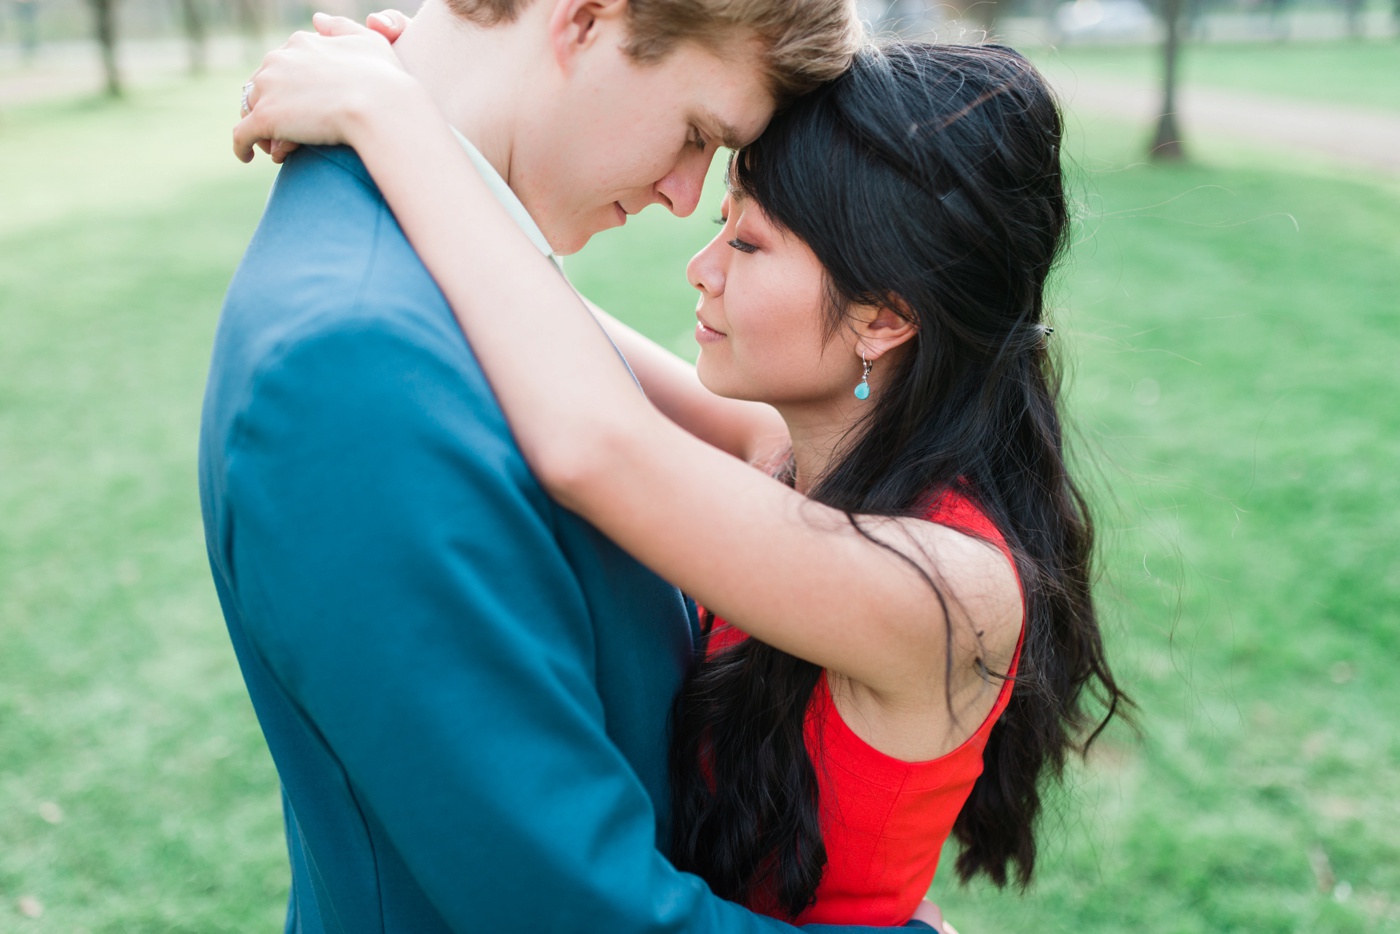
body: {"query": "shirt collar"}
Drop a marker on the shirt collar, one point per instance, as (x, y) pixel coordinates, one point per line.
(506, 197)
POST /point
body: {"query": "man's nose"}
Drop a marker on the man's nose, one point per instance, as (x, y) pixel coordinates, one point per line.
(679, 190)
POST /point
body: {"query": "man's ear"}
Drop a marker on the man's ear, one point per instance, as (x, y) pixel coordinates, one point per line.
(574, 26)
(882, 328)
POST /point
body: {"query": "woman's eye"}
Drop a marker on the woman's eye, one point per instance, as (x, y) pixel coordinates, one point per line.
(721, 221)
(697, 140)
(742, 247)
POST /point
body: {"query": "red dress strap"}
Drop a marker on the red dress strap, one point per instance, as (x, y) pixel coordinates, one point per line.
(884, 820)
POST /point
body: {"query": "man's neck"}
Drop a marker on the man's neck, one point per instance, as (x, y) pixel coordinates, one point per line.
(473, 73)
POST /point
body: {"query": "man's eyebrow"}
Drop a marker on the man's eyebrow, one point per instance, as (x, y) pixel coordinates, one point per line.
(734, 191)
(729, 137)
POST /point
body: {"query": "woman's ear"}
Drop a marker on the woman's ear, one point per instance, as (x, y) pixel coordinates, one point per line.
(573, 26)
(882, 328)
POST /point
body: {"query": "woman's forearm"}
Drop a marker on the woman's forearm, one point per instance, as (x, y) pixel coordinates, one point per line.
(560, 384)
(787, 570)
(744, 429)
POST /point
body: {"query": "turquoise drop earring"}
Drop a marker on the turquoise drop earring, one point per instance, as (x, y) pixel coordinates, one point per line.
(863, 387)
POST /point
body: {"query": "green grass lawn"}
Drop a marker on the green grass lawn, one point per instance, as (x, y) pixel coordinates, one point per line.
(1232, 339)
(1355, 74)
(1231, 329)
(135, 794)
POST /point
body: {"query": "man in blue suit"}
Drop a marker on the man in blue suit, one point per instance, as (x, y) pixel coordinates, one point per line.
(465, 688)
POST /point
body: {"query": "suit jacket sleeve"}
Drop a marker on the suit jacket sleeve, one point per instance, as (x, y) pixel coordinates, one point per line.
(399, 567)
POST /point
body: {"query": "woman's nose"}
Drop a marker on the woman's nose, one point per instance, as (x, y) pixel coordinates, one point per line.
(706, 268)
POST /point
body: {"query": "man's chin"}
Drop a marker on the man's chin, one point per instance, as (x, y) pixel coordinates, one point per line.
(567, 240)
(567, 243)
(570, 249)
(562, 239)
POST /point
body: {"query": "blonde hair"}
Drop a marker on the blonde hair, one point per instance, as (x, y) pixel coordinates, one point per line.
(806, 42)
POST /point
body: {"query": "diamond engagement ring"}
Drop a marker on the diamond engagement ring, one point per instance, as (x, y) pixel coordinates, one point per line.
(247, 89)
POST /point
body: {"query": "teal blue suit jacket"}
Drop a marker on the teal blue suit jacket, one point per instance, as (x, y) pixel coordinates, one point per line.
(465, 688)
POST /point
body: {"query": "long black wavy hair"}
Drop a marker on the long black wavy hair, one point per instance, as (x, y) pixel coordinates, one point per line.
(927, 178)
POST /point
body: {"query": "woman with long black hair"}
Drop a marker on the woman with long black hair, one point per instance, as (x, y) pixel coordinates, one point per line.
(901, 641)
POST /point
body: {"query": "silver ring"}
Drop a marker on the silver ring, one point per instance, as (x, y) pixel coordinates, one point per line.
(247, 89)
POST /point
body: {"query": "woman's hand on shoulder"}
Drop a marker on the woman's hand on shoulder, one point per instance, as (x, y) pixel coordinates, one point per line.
(929, 913)
(325, 88)
(388, 23)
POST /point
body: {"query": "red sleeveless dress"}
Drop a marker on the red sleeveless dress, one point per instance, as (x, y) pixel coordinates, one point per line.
(884, 820)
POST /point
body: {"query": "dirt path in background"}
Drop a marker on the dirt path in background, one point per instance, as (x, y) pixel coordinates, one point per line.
(1349, 135)
(72, 69)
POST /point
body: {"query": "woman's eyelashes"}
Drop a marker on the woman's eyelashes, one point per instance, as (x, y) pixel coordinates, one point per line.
(743, 246)
(697, 139)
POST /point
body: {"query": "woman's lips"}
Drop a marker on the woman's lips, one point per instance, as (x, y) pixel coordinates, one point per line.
(705, 334)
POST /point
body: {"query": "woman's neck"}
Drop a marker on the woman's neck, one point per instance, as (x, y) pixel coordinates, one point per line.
(819, 437)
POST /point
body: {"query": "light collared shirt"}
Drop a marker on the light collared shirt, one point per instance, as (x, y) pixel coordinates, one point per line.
(508, 199)
(522, 218)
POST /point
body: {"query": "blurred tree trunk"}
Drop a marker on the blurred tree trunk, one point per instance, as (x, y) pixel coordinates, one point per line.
(250, 14)
(1166, 143)
(1278, 18)
(105, 17)
(197, 32)
(1354, 11)
(27, 13)
(983, 13)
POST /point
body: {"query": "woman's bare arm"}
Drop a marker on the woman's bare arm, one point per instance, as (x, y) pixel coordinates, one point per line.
(787, 570)
(749, 430)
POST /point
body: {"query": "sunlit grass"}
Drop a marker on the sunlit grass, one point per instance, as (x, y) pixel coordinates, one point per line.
(135, 791)
(1347, 74)
(1233, 338)
(1231, 335)
(1233, 330)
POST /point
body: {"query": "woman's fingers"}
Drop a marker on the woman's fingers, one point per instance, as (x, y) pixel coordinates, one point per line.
(248, 133)
(328, 25)
(388, 23)
(316, 86)
(252, 130)
(929, 914)
(281, 149)
(242, 143)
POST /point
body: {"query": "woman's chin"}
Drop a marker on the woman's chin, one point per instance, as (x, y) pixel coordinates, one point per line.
(714, 380)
